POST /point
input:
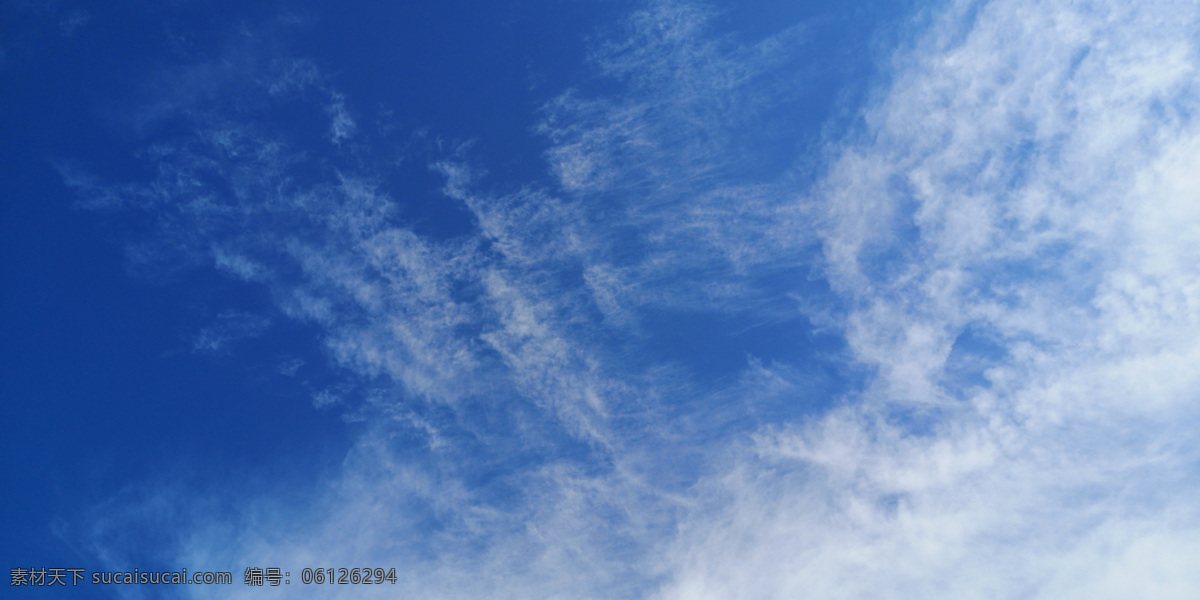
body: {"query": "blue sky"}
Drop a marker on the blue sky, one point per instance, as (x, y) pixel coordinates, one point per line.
(553, 299)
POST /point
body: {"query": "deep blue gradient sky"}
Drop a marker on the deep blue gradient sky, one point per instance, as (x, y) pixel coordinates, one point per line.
(620, 299)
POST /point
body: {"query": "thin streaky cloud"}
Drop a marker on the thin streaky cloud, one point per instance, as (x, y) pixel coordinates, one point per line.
(1004, 247)
(1024, 211)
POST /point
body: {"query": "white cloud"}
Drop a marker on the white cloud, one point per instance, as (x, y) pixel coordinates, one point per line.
(227, 328)
(677, 169)
(1012, 241)
(73, 21)
(343, 126)
(1014, 178)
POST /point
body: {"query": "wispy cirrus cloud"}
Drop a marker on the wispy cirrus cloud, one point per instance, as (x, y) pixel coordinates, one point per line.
(1005, 250)
(524, 438)
(227, 328)
(73, 21)
(1000, 230)
(689, 160)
